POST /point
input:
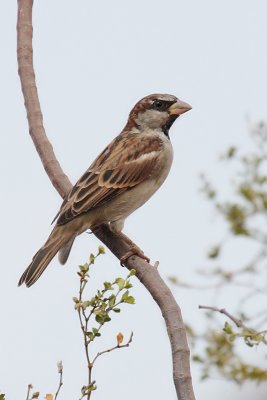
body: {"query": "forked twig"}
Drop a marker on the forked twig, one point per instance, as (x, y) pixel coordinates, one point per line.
(118, 346)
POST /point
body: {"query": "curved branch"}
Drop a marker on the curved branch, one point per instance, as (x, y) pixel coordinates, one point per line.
(145, 272)
(34, 114)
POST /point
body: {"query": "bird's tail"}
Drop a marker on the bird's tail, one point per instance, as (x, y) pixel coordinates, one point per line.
(42, 258)
(64, 251)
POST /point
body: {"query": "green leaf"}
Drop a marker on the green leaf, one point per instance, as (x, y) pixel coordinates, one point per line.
(75, 299)
(214, 252)
(102, 318)
(35, 395)
(86, 304)
(125, 295)
(112, 300)
(93, 301)
(107, 318)
(227, 328)
(108, 286)
(2, 396)
(95, 332)
(129, 300)
(92, 258)
(100, 310)
(128, 285)
(90, 335)
(197, 358)
(231, 152)
(132, 272)
(120, 282)
(84, 268)
(232, 337)
(117, 310)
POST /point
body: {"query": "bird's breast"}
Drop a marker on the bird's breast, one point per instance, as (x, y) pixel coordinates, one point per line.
(122, 206)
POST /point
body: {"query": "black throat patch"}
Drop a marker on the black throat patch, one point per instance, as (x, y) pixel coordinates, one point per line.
(167, 126)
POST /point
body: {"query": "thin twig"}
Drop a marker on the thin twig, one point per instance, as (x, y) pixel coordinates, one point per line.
(145, 272)
(28, 392)
(84, 328)
(118, 346)
(60, 371)
(237, 321)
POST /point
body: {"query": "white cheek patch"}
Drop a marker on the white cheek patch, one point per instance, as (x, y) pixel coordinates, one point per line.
(152, 118)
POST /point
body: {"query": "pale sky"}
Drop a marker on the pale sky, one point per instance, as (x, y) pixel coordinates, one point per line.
(93, 61)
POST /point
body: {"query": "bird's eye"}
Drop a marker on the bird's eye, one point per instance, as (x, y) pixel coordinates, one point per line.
(158, 104)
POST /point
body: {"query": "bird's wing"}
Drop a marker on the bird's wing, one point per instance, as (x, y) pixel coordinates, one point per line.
(126, 162)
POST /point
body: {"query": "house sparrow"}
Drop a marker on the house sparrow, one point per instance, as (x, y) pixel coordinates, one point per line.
(121, 179)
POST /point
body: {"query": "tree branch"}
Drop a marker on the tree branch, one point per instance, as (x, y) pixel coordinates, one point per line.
(118, 346)
(29, 89)
(237, 322)
(145, 272)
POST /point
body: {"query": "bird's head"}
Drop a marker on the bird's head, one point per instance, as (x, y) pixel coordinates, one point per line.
(157, 111)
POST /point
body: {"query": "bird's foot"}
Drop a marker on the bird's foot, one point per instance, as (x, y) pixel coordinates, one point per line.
(133, 251)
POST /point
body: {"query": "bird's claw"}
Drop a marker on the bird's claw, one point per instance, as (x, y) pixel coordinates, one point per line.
(133, 251)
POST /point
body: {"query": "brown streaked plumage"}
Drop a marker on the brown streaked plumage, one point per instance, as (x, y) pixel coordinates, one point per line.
(122, 178)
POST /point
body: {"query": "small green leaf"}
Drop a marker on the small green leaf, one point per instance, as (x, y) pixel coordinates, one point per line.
(107, 318)
(2, 396)
(112, 300)
(232, 337)
(108, 286)
(129, 300)
(120, 282)
(93, 301)
(75, 299)
(197, 358)
(128, 285)
(117, 310)
(35, 395)
(86, 304)
(100, 318)
(92, 258)
(231, 152)
(84, 268)
(214, 252)
(90, 335)
(125, 295)
(227, 328)
(132, 272)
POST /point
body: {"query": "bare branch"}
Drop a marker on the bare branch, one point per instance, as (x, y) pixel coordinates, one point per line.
(237, 322)
(118, 346)
(250, 335)
(145, 272)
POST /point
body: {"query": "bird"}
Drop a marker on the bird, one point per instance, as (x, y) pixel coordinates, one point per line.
(120, 180)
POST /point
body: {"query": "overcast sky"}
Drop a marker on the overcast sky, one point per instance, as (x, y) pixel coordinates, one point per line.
(93, 61)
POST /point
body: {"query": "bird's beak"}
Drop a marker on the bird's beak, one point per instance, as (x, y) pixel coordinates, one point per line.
(179, 108)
